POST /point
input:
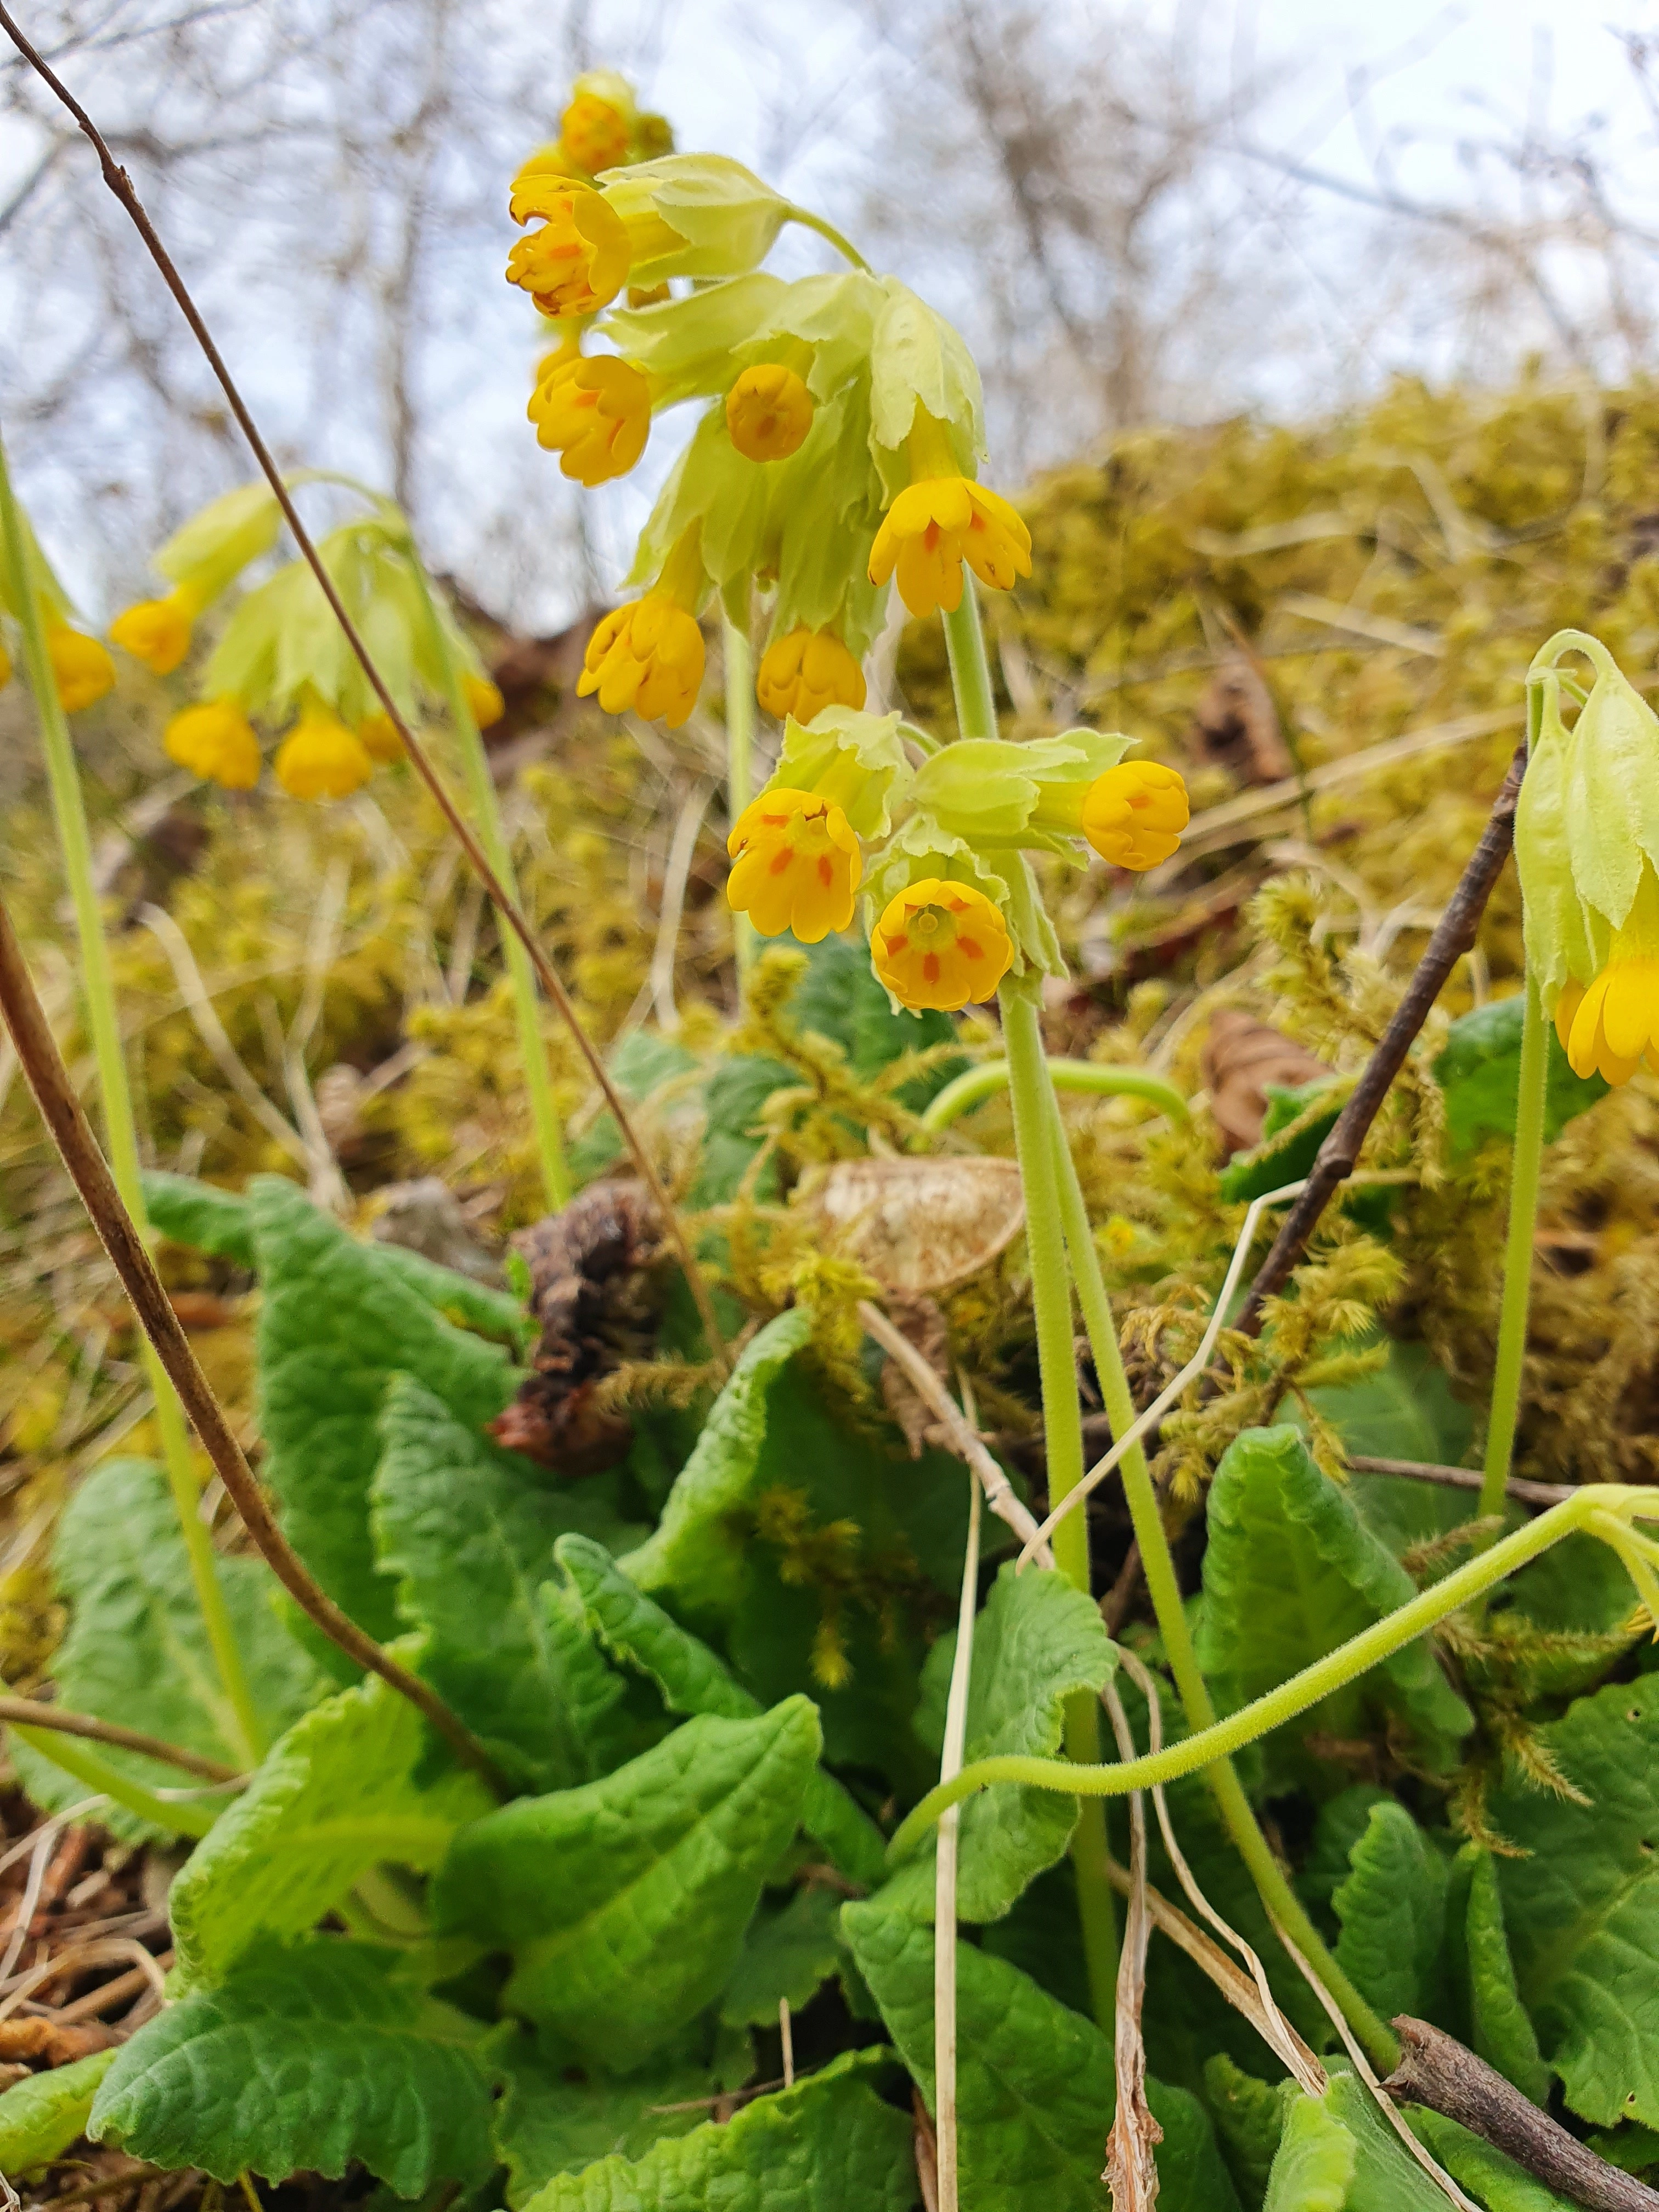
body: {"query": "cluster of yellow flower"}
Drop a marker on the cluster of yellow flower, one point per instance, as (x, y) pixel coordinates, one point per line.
(81, 667)
(837, 457)
(281, 656)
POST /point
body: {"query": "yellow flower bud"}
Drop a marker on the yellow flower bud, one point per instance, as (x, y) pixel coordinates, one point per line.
(1135, 814)
(798, 865)
(939, 944)
(378, 734)
(578, 260)
(1611, 1026)
(157, 631)
(485, 699)
(216, 742)
(596, 413)
(321, 758)
(805, 671)
(768, 411)
(81, 668)
(592, 134)
(647, 655)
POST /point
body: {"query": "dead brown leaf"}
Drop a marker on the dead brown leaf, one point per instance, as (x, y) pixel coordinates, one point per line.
(1241, 1057)
(918, 1226)
(1236, 724)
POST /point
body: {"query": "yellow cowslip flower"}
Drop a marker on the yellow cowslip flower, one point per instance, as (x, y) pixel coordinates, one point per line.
(939, 944)
(577, 261)
(768, 411)
(1135, 814)
(81, 668)
(649, 654)
(484, 698)
(806, 670)
(594, 412)
(592, 134)
(940, 519)
(321, 758)
(158, 631)
(378, 735)
(798, 865)
(215, 741)
(1611, 1026)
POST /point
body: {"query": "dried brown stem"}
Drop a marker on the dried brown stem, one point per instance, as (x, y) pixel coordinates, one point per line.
(1131, 2168)
(49, 1079)
(1338, 1155)
(122, 186)
(26, 1712)
(1436, 2070)
(1460, 1478)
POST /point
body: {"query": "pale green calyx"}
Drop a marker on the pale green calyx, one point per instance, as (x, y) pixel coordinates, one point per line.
(919, 360)
(1000, 793)
(1565, 938)
(694, 215)
(858, 760)
(921, 848)
(213, 547)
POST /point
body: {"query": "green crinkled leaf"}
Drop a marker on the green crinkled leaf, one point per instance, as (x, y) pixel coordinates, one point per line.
(828, 2145)
(554, 2117)
(306, 2057)
(336, 1796)
(43, 2114)
(136, 1651)
(693, 1679)
(1405, 1411)
(470, 1530)
(1501, 2031)
(624, 1903)
(1249, 2118)
(468, 1304)
(692, 1551)
(200, 1216)
(1339, 1823)
(1314, 2162)
(1290, 1572)
(1392, 1906)
(1493, 2178)
(1285, 1151)
(1338, 2154)
(1038, 1641)
(786, 1955)
(1583, 1910)
(1480, 1072)
(337, 1320)
(1387, 2179)
(1034, 2080)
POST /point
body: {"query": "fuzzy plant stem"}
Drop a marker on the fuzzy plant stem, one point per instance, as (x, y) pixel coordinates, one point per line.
(120, 1130)
(739, 767)
(1062, 1429)
(1525, 1165)
(970, 1089)
(1164, 1590)
(492, 836)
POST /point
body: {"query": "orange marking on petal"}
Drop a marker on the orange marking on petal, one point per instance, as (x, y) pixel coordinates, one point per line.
(969, 950)
(826, 870)
(930, 966)
(780, 860)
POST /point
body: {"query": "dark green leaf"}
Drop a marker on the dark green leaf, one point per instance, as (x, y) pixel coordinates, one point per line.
(1392, 1905)
(828, 2145)
(1285, 1151)
(640, 1064)
(1249, 2119)
(469, 1531)
(1494, 2180)
(624, 1903)
(136, 1651)
(1405, 1411)
(337, 1320)
(787, 1954)
(555, 2117)
(1290, 1572)
(199, 1216)
(1502, 2034)
(307, 2057)
(1479, 1071)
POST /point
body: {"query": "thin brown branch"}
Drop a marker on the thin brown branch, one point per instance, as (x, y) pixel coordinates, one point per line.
(43, 1064)
(26, 1712)
(121, 185)
(1436, 2070)
(1338, 1155)
(1460, 1478)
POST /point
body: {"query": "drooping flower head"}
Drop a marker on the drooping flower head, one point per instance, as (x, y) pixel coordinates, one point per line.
(648, 655)
(940, 945)
(768, 412)
(81, 668)
(321, 758)
(157, 632)
(594, 412)
(215, 741)
(798, 863)
(806, 670)
(577, 261)
(593, 134)
(940, 519)
(1135, 814)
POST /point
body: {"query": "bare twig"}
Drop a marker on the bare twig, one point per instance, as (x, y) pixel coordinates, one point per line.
(108, 1996)
(1436, 2070)
(1130, 2169)
(49, 1079)
(26, 1712)
(1338, 1154)
(106, 1951)
(963, 1440)
(1460, 1478)
(120, 183)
